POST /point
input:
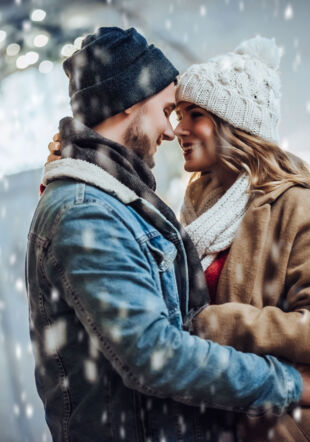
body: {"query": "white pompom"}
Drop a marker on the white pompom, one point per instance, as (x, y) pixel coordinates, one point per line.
(264, 49)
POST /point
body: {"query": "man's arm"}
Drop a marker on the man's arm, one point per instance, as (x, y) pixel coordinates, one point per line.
(107, 280)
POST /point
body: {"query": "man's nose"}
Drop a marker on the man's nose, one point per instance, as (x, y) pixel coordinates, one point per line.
(168, 134)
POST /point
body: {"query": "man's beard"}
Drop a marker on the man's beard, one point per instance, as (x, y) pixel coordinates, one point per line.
(139, 142)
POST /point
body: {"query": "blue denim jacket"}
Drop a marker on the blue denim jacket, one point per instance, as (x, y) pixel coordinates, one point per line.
(106, 308)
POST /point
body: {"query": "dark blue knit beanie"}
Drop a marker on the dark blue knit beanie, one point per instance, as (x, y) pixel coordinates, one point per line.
(113, 70)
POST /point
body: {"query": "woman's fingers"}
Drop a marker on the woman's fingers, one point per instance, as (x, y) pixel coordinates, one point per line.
(54, 147)
(56, 137)
(52, 158)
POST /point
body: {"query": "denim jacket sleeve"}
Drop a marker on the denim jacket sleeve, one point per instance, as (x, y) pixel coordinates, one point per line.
(96, 262)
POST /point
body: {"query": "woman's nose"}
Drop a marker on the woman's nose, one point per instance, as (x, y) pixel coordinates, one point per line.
(180, 130)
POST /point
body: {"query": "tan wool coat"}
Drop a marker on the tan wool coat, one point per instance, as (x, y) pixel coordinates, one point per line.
(263, 297)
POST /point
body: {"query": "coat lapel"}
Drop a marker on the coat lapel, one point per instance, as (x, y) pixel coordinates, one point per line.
(239, 280)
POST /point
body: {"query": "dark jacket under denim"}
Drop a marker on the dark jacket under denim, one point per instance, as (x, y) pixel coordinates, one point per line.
(107, 303)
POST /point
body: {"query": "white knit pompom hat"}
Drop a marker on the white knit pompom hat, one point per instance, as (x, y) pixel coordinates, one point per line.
(241, 87)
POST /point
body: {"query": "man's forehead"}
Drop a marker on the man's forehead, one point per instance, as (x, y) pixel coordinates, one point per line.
(169, 92)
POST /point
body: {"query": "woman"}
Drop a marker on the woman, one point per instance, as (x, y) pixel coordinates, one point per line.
(247, 210)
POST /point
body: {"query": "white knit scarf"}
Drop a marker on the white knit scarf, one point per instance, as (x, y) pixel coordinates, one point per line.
(212, 217)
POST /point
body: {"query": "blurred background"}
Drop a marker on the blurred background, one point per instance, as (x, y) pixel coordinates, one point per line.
(35, 37)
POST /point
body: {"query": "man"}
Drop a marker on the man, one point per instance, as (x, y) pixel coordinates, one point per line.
(112, 276)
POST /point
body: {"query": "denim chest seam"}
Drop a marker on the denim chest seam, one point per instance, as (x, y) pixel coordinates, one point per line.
(146, 236)
(64, 210)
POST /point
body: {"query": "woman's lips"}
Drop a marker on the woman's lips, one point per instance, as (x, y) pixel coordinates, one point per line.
(187, 152)
(187, 149)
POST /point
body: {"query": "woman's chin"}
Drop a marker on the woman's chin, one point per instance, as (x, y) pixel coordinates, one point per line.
(191, 168)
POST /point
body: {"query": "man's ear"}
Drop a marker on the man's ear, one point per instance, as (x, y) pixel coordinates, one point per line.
(131, 109)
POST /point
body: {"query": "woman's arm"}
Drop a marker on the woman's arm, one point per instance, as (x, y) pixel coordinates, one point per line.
(268, 330)
(262, 331)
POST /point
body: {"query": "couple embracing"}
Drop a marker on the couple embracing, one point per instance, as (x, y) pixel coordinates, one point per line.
(147, 329)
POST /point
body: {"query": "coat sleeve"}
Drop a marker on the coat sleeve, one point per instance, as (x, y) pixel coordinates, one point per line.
(97, 264)
(268, 330)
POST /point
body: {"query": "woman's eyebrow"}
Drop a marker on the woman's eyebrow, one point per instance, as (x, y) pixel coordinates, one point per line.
(187, 108)
(170, 106)
(190, 107)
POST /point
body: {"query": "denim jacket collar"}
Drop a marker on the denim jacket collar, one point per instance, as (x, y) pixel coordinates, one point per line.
(89, 173)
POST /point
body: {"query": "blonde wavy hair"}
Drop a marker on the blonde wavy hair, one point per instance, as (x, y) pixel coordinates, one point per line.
(266, 164)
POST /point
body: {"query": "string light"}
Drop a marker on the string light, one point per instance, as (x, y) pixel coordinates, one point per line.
(67, 50)
(38, 15)
(2, 35)
(45, 66)
(40, 40)
(12, 49)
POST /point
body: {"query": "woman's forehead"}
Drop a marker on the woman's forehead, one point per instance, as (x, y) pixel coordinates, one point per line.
(186, 106)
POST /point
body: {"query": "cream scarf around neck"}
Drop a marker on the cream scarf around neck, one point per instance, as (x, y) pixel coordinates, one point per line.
(212, 216)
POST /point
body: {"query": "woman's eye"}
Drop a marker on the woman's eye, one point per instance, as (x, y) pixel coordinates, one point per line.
(196, 114)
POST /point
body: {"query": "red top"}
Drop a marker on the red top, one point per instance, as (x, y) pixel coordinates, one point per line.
(213, 272)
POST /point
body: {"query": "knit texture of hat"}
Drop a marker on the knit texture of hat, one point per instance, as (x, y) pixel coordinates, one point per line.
(241, 87)
(113, 70)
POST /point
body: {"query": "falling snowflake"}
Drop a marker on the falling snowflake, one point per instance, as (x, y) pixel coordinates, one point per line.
(285, 144)
(144, 78)
(296, 62)
(12, 259)
(18, 351)
(94, 347)
(158, 359)
(104, 417)
(55, 336)
(16, 410)
(65, 383)
(203, 11)
(29, 411)
(19, 285)
(297, 414)
(115, 333)
(54, 295)
(88, 238)
(90, 371)
(182, 425)
(288, 13)
(122, 432)
(168, 24)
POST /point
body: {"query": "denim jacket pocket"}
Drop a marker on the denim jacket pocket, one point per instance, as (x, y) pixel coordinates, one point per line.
(162, 256)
